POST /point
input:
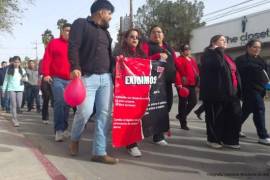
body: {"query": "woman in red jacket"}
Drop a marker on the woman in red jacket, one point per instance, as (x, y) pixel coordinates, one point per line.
(187, 75)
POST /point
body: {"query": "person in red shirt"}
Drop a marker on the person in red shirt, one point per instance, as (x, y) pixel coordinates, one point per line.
(56, 71)
(187, 75)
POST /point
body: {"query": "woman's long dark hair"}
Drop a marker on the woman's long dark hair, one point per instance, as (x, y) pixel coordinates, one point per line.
(214, 39)
(126, 49)
(251, 42)
(11, 68)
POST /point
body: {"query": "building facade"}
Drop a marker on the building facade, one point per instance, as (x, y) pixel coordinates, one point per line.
(238, 32)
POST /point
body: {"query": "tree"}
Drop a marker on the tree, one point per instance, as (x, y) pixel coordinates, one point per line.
(60, 23)
(46, 37)
(10, 11)
(177, 18)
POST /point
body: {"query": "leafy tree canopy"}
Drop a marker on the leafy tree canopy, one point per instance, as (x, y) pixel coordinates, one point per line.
(177, 18)
(46, 37)
(10, 13)
(61, 22)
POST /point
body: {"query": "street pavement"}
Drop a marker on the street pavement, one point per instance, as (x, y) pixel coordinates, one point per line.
(29, 152)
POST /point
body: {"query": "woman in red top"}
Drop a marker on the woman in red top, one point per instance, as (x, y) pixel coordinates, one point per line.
(187, 75)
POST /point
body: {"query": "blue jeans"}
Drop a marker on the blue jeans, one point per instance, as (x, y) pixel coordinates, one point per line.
(99, 92)
(60, 108)
(254, 103)
(33, 93)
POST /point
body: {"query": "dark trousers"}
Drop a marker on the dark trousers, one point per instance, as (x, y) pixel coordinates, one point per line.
(223, 121)
(254, 103)
(200, 109)
(46, 96)
(33, 94)
(186, 104)
(169, 93)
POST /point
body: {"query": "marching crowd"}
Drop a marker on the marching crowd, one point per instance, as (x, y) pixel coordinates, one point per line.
(84, 51)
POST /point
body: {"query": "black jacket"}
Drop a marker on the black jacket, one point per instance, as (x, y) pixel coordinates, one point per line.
(252, 71)
(82, 45)
(170, 69)
(2, 74)
(216, 80)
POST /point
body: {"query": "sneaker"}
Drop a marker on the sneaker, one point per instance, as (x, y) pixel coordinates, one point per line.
(73, 148)
(265, 141)
(105, 159)
(242, 135)
(214, 145)
(135, 152)
(45, 121)
(15, 123)
(66, 134)
(59, 136)
(162, 142)
(236, 146)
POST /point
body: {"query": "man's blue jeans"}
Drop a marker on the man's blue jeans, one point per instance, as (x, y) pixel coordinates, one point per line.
(99, 92)
(60, 108)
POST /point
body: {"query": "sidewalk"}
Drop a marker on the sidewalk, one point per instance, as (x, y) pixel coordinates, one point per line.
(186, 157)
(19, 159)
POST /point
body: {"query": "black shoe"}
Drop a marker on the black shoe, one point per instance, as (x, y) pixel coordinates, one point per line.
(198, 115)
(185, 127)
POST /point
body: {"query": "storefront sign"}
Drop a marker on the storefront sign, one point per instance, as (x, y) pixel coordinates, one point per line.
(247, 36)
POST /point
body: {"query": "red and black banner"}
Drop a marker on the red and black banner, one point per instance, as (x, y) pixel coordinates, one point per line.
(140, 107)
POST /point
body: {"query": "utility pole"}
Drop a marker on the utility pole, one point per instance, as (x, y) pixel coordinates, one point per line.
(36, 48)
(131, 13)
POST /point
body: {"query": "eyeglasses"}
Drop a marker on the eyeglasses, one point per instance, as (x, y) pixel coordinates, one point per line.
(133, 37)
(256, 47)
(158, 32)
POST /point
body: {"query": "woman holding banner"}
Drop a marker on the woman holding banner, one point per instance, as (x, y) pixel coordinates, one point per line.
(158, 49)
(131, 48)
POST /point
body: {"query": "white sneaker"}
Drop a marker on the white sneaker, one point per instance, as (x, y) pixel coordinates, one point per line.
(66, 134)
(59, 136)
(15, 123)
(45, 122)
(265, 141)
(135, 152)
(162, 143)
(242, 135)
(232, 146)
(214, 145)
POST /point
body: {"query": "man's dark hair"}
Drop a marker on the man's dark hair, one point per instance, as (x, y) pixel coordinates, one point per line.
(101, 4)
(3, 62)
(11, 59)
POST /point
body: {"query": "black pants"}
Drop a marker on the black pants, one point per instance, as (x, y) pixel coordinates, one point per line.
(200, 109)
(254, 103)
(46, 96)
(223, 121)
(169, 93)
(186, 104)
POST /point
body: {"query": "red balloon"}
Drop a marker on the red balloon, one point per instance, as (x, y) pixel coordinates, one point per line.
(183, 92)
(75, 92)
